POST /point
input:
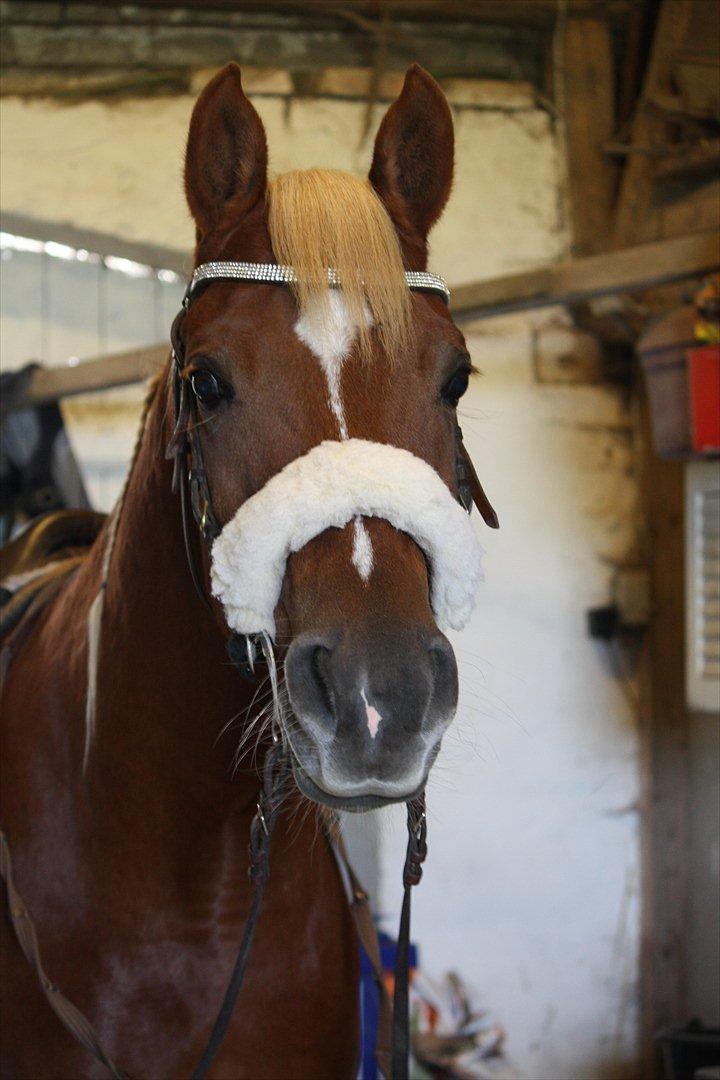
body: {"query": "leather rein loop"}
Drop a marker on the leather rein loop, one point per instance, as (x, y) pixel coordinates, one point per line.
(276, 775)
(412, 873)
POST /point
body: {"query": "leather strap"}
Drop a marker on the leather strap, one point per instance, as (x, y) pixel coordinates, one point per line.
(276, 774)
(470, 490)
(24, 927)
(50, 586)
(37, 588)
(367, 933)
(412, 873)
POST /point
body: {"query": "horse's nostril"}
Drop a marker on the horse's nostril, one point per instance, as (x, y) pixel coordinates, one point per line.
(445, 677)
(309, 682)
(320, 662)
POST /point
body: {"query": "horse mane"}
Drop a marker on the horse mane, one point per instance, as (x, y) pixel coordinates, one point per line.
(323, 218)
(95, 612)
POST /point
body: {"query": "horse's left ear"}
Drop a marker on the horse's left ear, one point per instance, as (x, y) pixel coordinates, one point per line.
(412, 166)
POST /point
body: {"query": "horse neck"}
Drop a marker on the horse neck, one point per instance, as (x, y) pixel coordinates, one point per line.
(165, 686)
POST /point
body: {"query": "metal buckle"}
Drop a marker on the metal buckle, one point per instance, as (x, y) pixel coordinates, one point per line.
(261, 819)
(251, 652)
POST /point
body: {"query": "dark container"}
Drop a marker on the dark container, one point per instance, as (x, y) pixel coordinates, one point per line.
(685, 1050)
(663, 353)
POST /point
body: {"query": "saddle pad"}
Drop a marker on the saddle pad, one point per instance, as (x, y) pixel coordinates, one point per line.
(19, 592)
(51, 537)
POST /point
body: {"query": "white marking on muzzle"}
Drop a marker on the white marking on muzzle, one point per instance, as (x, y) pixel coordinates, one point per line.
(329, 332)
(362, 554)
(328, 487)
(373, 716)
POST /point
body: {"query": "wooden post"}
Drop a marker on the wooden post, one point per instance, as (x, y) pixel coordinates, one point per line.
(632, 222)
(590, 122)
(664, 718)
(664, 729)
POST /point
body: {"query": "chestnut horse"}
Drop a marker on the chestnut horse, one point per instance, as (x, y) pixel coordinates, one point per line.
(129, 834)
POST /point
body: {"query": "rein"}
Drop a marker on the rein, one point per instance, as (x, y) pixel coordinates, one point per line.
(191, 481)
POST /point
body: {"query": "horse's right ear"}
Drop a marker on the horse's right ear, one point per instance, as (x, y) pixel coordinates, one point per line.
(226, 157)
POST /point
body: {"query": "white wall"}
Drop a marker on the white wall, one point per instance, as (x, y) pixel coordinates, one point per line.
(118, 168)
(531, 885)
(54, 311)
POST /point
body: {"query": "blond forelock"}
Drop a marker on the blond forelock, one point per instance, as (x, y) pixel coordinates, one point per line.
(320, 219)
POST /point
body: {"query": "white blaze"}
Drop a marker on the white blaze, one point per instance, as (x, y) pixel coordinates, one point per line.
(362, 555)
(329, 332)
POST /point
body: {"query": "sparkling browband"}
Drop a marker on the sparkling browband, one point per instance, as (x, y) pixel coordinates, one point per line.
(285, 275)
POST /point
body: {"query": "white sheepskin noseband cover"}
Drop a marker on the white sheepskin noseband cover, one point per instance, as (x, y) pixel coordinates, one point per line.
(329, 486)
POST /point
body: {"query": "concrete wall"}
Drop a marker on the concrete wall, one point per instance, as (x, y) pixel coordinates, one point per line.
(532, 881)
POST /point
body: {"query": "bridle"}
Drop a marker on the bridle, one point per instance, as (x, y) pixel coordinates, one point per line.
(185, 447)
(190, 478)
(191, 481)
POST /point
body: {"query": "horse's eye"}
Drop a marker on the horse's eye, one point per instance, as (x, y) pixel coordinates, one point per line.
(208, 389)
(456, 386)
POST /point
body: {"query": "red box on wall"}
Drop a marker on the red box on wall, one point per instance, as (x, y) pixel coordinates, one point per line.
(704, 363)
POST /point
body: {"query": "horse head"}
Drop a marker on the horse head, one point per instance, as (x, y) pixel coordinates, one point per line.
(325, 408)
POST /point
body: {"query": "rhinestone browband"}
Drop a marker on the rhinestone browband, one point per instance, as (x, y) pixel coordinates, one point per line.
(285, 275)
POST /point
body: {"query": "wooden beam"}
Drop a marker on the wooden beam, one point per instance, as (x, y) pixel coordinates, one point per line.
(649, 125)
(599, 275)
(299, 37)
(100, 373)
(632, 270)
(636, 46)
(538, 13)
(103, 244)
(664, 733)
(589, 110)
(664, 720)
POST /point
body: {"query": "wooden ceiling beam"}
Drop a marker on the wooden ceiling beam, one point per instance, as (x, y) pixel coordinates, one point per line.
(649, 126)
(48, 384)
(300, 38)
(532, 13)
(588, 105)
(616, 272)
(633, 269)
